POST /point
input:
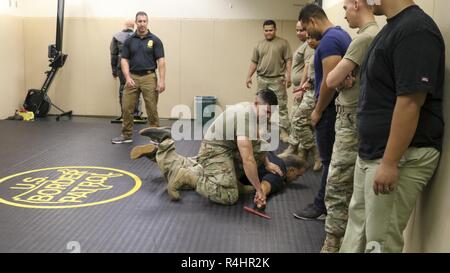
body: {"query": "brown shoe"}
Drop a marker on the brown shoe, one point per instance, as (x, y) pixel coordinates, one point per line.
(332, 244)
(290, 150)
(302, 153)
(317, 162)
(284, 136)
(148, 150)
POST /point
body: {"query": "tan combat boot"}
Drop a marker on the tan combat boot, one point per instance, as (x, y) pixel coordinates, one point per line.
(185, 179)
(284, 136)
(290, 150)
(332, 244)
(302, 153)
(317, 162)
(148, 151)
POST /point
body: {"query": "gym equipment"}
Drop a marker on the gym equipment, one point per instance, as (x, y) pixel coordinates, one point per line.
(261, 212)
(37, 100)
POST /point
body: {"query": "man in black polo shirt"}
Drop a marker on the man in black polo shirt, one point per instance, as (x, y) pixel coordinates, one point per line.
(142, 54)
(400, 125)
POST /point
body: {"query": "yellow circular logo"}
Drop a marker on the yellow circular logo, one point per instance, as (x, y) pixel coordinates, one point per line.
(67, 187)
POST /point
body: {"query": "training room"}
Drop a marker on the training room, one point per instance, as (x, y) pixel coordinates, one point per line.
(225, 126)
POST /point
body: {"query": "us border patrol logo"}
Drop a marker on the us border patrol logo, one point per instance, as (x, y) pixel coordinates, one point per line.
(67, 187)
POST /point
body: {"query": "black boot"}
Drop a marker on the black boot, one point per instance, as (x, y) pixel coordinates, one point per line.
(156, 134)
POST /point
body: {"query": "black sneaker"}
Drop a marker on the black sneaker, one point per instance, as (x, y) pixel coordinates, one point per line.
(121, 140)
(311, 212)
(158, 135)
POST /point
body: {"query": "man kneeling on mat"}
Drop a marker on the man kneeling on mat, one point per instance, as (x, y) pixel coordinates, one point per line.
(226, 144)
(292, 167)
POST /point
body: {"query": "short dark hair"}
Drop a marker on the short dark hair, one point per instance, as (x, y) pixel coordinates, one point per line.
(293, 161)
(270, 23)
(311, 11)
(267, 96)
(141, 13)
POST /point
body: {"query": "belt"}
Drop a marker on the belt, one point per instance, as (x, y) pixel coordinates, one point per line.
(345, 109)
(271, 77)
(142, 73)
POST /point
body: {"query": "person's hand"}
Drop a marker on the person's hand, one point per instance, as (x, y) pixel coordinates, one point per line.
(161, 87)
(306, 86)
(130, 82)
(385, 178)
(315, 117)
(349, 81)
(288, 83)
(298, 96)
(274, 168)
(260, 199)
(249, 83)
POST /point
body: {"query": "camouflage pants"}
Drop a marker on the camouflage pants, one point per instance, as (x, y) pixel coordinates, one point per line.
(302, 132)
(277, 86)
(339, 187)
(218, 182)
(169, 162)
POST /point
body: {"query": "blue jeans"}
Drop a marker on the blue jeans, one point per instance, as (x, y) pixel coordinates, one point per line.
(325, 134)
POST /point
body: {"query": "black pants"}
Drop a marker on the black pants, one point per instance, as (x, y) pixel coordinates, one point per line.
(325, 134)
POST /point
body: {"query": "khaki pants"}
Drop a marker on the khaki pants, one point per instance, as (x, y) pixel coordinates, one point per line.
(376, 223)
(147, 85)
(277, 86)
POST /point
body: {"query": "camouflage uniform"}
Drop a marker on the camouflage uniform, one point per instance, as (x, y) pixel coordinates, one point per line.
(271, 58)
(218, 164)
(221, 170)
(278, 86)
(339, 187)
(169, 162)
(302, 133)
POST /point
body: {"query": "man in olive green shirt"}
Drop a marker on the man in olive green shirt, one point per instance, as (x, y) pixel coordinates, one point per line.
(301, 138)
(272, 60)
(345, 78)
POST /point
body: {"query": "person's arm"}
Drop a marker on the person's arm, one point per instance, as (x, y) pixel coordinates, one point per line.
(162, 75)
(250, 167)
(300, 92)
(404, 124)
(326, 94)
(340, 73)
(288, 73)
(126, 72)
(251, 71)
(266, 188)
(114, 49)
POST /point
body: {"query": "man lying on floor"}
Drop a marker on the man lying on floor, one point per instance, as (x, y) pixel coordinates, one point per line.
(213, 175)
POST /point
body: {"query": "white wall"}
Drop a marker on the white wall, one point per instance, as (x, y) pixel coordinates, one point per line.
(11, 7)
(211, 9)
